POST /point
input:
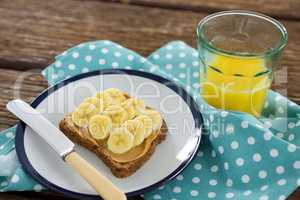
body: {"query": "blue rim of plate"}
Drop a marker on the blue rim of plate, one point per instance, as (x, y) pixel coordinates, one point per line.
(20, 147)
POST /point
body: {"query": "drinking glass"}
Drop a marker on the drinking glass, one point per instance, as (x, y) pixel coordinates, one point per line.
(239, 51)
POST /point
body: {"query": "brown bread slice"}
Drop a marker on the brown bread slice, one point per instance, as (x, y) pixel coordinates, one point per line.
(120, 170)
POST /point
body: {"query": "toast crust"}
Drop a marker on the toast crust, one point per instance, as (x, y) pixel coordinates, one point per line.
(120, 170)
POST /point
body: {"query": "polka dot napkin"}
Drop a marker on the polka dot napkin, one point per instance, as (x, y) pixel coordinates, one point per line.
(240, 157)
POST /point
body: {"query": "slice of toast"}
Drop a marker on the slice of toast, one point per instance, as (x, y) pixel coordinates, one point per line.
(119, 169)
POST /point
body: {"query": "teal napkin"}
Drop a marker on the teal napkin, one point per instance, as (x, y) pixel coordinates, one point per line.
(240, 157)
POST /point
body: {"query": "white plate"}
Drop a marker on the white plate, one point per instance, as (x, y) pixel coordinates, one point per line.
(170, 157)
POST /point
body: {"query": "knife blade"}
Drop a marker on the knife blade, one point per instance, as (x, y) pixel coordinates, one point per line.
(42, 126)
(65, 148)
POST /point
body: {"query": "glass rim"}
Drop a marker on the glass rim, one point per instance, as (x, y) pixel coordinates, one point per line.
(276, 23)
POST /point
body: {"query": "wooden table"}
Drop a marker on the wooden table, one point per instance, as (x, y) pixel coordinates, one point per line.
(32, 32)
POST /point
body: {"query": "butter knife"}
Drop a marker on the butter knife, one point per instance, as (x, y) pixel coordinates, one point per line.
(65, 148)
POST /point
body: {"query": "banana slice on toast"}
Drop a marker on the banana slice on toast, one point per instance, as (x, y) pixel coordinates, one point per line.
(111, 96)
(100, 126)
(156, 118)
(147, 123)
(120, 121)
(117, 114)
(136, 127)
(133, 107)
(98, 103)
(83, 113)
(120, 140)
(116, 94)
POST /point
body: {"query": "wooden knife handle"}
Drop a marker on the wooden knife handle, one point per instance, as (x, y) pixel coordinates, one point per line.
(100, 183)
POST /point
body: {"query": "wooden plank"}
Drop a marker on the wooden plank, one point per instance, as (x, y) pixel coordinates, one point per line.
(32, 34)
(40, 196)
(18, 84)
(55, 196)
(288, 9)
(32, 196)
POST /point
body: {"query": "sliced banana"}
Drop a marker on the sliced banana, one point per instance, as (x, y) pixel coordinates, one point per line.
(83, 113)
(147, 123)
(97, 102)
(105, 98)
(79, 119)
(120, 140)
(116, 95)
(139, 105)
(128, 106)
(156, 118)
(133, 107)
(100, 126)
(125, 122)
(111, 96)
(87, 109)
(117, 114)
(136, 127)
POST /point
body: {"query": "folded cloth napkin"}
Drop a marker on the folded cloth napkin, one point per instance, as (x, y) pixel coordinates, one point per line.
(240, 157)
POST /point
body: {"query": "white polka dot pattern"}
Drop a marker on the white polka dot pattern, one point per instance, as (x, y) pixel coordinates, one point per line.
(245, 158)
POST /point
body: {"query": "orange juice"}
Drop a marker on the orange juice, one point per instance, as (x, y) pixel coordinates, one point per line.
(239, 51)
(235, 83)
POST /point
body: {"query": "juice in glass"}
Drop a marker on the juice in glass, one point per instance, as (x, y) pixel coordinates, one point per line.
(239, 51)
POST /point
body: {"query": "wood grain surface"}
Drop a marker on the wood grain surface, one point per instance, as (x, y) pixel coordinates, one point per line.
(288, 9)
(31, 37)
(32, 32)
